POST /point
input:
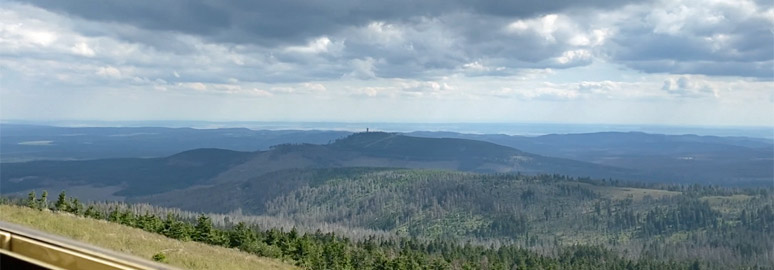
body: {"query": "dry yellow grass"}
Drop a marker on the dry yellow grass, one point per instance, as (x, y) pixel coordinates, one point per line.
(188, 255)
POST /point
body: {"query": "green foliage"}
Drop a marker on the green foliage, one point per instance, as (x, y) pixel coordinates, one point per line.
(92, 213)
(688, 215)
(159, 257)
(61, 202)
(150, 223)
(75, 206)
(203, 231)
(43, 202)
(31, 201)
(172, 227)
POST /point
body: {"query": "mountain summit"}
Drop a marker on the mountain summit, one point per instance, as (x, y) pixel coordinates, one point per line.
(394, 145)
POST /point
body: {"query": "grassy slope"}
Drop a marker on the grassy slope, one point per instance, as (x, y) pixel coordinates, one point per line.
(189, 255)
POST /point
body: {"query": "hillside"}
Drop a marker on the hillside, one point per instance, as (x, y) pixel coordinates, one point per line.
(329, 251)
(134, 175)
(187, 255)
(732, 227)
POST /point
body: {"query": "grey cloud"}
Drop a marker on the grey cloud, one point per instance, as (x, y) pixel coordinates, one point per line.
(201, 17)
(439, 37)
(449, 42)
(738, 43)
(763, 70)
(765, 3)
(289, 20)
(747, 45)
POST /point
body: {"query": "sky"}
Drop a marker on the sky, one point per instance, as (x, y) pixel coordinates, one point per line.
(672, 62)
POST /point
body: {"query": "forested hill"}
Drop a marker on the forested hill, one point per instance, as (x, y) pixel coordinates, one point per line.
(680, 158)
(136, 176)
(132, 175)
(395, 145)
(537, 211)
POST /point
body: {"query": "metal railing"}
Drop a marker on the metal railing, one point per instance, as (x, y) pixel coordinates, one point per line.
(24, 248)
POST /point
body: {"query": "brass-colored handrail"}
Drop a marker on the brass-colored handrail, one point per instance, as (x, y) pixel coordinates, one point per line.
(20, 245)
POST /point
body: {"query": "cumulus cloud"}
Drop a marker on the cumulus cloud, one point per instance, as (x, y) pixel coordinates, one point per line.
(81, 48)
(546, 91)
(319, 45)
(699, 37)
(268, 21)
(574, 57)
(601, 87)
(362, 68)
(425, 87)
(109, 71)
(302, 89)
(686, 87)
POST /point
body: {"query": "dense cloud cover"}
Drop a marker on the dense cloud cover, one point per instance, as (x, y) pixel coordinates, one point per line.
(414, 38)
(528, 49)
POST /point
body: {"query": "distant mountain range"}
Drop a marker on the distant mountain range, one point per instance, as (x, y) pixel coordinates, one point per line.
(671, 158)
(28, 142)
(626, 156)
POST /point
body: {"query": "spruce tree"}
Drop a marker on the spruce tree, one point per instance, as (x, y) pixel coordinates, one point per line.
(43, 202)
(61, 202)
(174, 228)
(90, 212)
(31, 200)
(240, 235)
(203, 229)
(76, 207)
